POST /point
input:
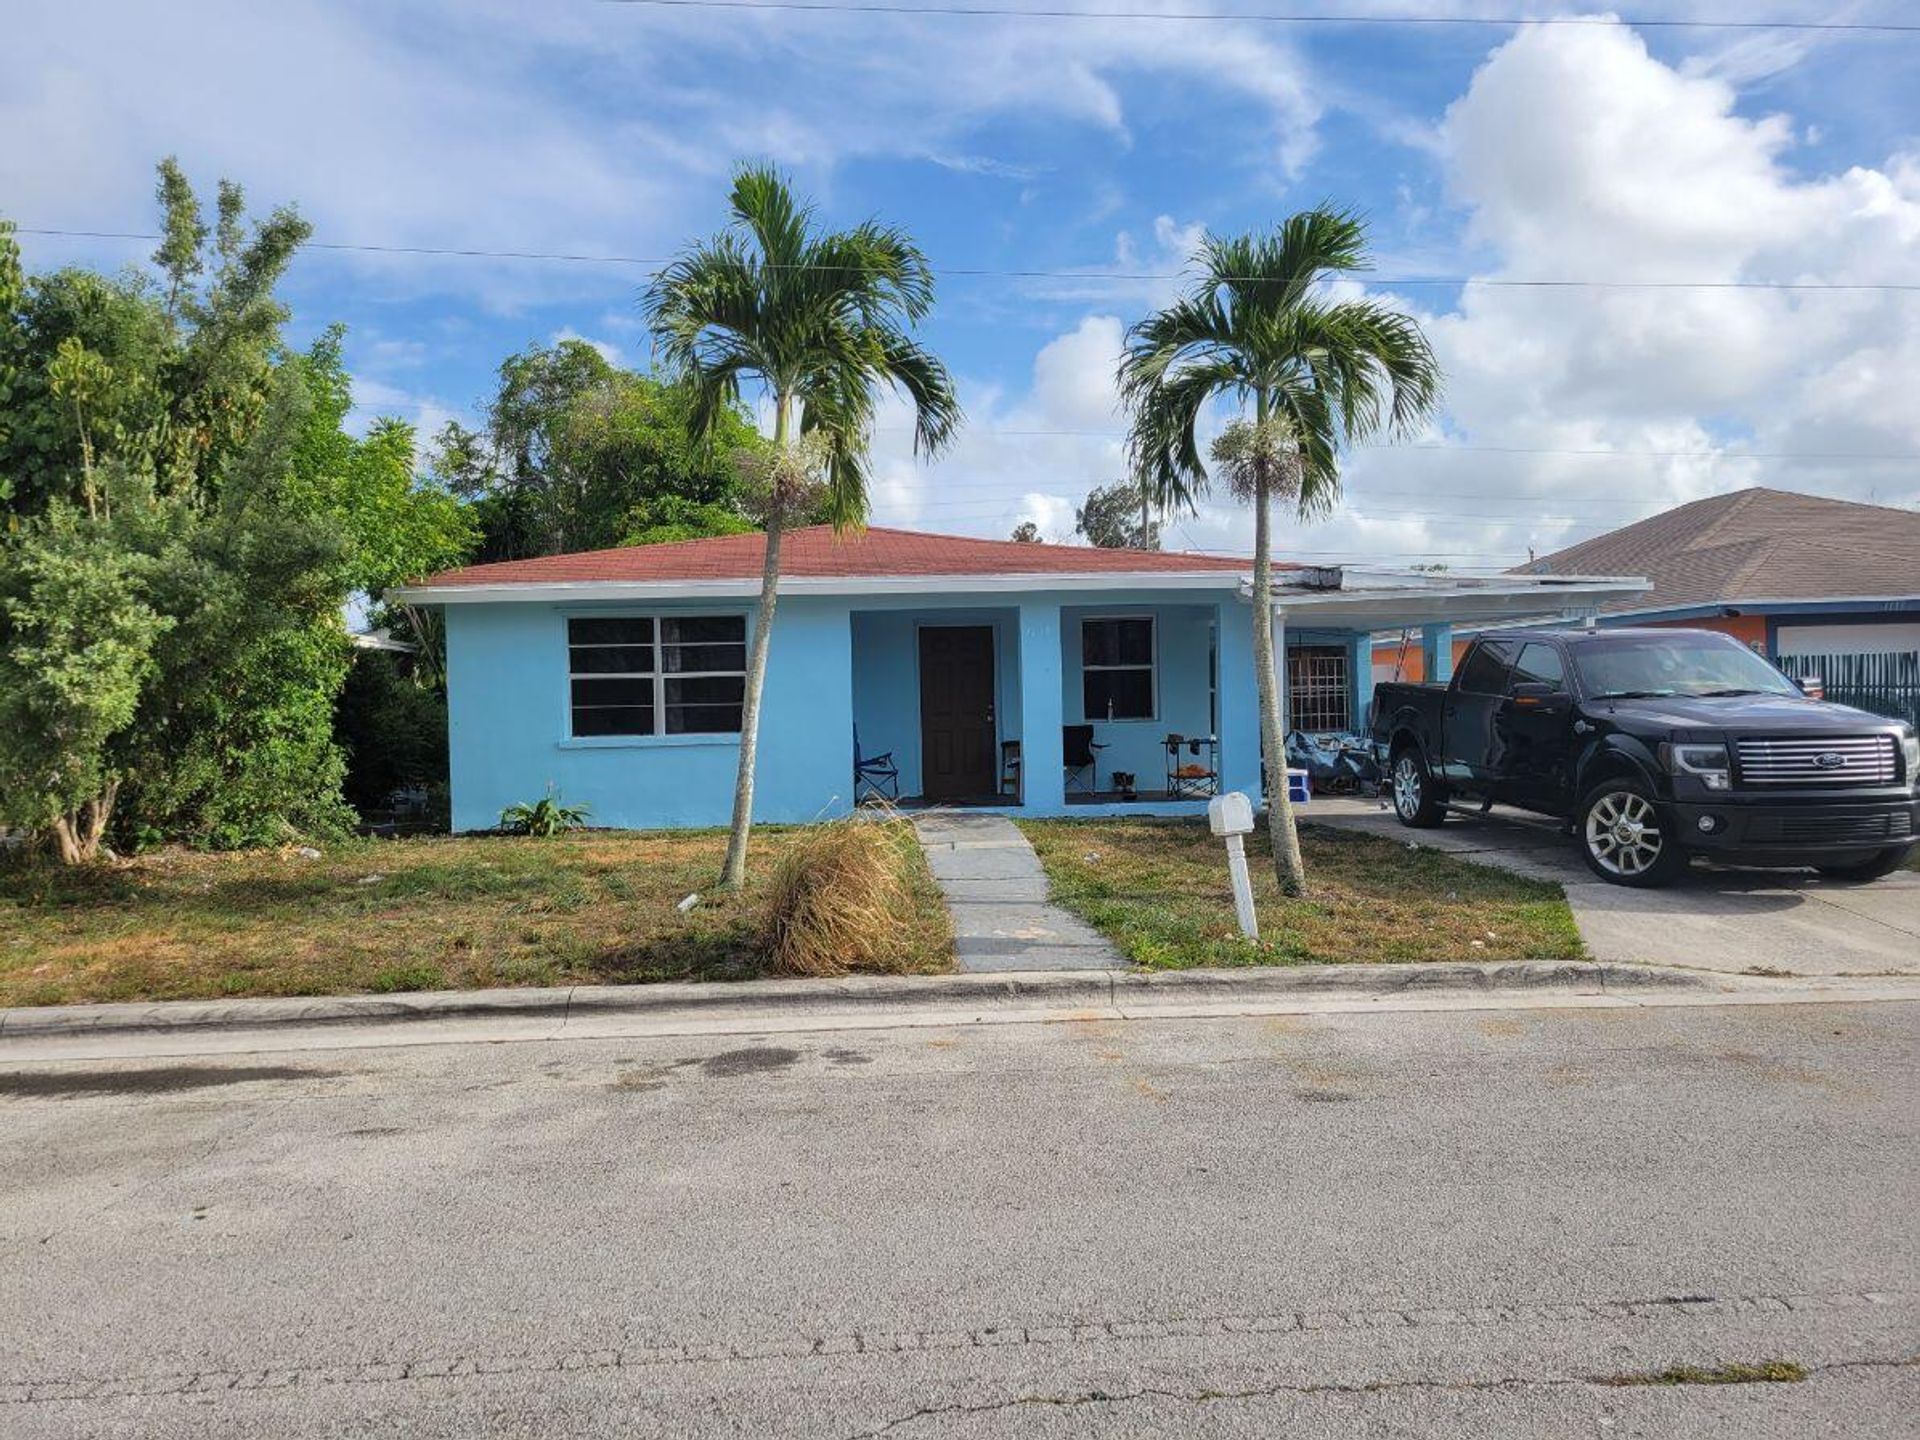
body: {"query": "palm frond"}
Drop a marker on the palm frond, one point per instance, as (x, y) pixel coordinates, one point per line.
(1257, 324)
(820, 318)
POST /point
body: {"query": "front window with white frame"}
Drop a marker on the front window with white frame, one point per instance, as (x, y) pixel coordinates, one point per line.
(1116, 668)
(656, 674)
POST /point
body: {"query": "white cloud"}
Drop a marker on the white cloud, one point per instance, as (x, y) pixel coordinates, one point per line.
(1573, 153)
(375, 399)
(1030, 458)
(1577, 154)
(589, 129)
(609, 352)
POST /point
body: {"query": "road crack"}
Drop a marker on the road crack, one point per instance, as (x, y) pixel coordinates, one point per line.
(1210, 1396)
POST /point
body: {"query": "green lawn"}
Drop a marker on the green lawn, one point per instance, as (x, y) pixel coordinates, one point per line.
(386, 915)
(1159, 891)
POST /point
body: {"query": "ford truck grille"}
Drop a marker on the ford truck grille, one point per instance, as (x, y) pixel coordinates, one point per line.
(1841, 760)
(1829, 829)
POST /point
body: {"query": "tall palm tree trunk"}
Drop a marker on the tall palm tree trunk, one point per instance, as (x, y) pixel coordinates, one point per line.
(1288, 866)
(734, 872)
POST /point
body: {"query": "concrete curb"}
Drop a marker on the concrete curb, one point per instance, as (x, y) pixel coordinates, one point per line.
(1057, 990)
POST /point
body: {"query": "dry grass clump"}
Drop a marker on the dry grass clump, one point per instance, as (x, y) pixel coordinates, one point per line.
(841, 899)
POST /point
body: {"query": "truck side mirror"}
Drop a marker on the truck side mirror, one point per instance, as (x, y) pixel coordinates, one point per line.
(1536, 695)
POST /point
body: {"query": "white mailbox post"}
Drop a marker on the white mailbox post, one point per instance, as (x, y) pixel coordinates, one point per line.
(1231, 817)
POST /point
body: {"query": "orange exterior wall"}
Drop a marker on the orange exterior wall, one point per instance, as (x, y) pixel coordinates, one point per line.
(1386, 654)
(1747, 629)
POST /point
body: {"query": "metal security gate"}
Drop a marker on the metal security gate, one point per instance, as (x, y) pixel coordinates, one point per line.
(1319, 689)
(1885, 683)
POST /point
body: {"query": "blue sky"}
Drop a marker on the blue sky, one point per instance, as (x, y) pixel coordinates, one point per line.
(1079, 147)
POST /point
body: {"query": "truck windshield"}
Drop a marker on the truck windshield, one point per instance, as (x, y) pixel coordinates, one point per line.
(1642, 665)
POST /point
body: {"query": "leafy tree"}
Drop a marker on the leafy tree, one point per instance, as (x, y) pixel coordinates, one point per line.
(578, 454)
(1114, 518)
(1258, 328)
(392, 729)
(1027, 533)
(77, 643)
(820, 319)
(158, 429)
(672, 517)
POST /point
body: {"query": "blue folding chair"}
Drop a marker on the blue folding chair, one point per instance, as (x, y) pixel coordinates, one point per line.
(875, 777)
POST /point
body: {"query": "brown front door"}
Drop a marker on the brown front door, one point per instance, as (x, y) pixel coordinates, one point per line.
(956, 712)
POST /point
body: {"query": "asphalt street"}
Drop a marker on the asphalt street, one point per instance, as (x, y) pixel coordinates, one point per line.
(1395, 1224)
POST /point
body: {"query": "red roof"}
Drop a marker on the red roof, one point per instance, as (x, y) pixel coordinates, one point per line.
(817, 553)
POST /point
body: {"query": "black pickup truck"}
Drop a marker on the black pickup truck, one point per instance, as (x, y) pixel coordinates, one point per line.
(1655, 744)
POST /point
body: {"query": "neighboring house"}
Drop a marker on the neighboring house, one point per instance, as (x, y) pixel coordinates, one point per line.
(616, 676)
(1791, 575)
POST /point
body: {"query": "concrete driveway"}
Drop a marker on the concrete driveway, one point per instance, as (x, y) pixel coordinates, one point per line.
(1712, 918)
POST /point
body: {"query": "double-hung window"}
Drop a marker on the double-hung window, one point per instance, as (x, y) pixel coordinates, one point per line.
(657, 674)
(1116, 668)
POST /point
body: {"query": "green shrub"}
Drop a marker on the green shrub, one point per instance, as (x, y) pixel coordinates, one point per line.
(544, 818)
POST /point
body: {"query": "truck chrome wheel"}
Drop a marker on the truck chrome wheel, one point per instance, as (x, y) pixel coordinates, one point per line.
(1623, 834)
(1407, 781)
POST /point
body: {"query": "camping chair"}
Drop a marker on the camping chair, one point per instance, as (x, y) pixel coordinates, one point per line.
(879, 776)
(1080, 755)
(1010, 769)
(1195, 779)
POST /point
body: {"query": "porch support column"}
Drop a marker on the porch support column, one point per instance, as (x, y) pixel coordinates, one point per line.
(1436, 651)
(1041, 708)
(1238, 698)
(1360, 664)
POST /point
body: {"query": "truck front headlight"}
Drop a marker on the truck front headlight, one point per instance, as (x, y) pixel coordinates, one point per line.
(1707, 763)
(1910, 748)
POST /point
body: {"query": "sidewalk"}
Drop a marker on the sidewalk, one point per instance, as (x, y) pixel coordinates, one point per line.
(774, 1007)
(997, 894)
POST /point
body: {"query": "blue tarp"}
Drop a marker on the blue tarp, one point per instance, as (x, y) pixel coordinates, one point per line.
(1336, 762)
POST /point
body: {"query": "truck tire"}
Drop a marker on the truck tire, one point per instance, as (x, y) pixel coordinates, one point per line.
(1416, 799)
(1624, 838)
(1884, 863)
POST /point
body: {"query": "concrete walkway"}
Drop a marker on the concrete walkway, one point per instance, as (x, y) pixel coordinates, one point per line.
(1789, 921)
(997, 894)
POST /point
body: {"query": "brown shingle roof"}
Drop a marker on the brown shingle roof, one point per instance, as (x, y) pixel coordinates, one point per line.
(1753, 545)
(816, 552)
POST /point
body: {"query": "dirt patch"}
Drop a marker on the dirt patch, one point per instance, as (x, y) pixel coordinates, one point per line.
(753, 1060)
(67, 1084)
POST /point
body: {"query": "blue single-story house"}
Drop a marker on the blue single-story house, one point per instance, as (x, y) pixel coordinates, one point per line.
(1037, 679)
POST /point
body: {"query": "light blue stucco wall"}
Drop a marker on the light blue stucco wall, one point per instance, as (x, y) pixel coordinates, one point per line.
(508, 724)
(835, 661)
(1183, 643)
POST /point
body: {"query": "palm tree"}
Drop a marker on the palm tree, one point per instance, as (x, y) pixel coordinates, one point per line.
(1258, 327)
(818, 319)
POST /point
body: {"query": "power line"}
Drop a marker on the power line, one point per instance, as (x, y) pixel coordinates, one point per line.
(1113, 276)
(980, 12)
(1873, 456)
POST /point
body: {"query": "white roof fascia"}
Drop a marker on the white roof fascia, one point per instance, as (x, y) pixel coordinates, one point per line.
(1455, 604)
(1560, 585)
(586, 591)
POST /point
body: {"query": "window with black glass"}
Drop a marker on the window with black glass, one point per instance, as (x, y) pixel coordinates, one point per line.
(1116, 668)
(1486, 667)
(657, 675)
(1538, 665)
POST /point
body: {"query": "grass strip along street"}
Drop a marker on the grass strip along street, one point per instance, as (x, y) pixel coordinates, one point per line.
(417, 914)
(1158, 890)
